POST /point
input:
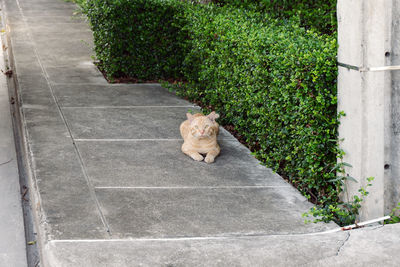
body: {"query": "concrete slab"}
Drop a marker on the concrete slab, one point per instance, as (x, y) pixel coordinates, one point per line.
(162, 164)
(30, 69)
(80, 63)
(146, 122)
(34, 90)
(44, 13)
(35, 98)
(15, 18)
(246, 251)
(67, 207)
(44, 124)
(89, 95)
(75, 74)
(23, 52)
(11, 6)
(67, 51)
(84, 37)
(31, 83)
(371, 246)
(69, 27)
(67, 213)
(198, 212)
(56, 19)
(48, 5)
(18, 31)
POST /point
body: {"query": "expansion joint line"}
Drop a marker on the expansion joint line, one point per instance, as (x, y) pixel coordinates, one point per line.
(46, 76)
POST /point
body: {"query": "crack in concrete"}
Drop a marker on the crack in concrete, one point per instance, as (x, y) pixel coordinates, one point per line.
(373, 228)
(344, 243)
(6, 162)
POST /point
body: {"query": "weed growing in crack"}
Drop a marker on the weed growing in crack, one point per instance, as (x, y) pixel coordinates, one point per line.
(342, 213)
(394, 215)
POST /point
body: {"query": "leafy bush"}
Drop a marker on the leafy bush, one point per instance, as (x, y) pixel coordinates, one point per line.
(275, 84)
(317, 14)
(138, 38)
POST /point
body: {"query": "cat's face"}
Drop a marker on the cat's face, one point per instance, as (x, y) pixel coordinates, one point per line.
(202, 127)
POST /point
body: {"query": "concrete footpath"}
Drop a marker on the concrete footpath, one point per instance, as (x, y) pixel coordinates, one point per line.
(12, 234)
(110, 187)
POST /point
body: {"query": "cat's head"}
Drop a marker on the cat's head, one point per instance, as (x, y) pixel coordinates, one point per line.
(202, 126)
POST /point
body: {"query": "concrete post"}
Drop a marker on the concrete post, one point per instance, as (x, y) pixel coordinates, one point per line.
(364, 36)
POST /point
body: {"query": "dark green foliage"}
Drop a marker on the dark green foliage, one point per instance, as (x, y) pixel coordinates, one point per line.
(276, 84)
(317, 14)
(138, 38)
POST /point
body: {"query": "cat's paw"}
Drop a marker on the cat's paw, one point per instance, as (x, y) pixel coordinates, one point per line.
(197, 157)
(209, 159)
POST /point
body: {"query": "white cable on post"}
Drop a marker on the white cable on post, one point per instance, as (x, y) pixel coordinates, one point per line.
(365, 69)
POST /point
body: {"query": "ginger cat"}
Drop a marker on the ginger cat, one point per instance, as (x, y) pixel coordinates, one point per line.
(199, 133)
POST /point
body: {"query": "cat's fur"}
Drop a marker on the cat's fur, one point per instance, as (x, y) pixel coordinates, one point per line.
(199, 133)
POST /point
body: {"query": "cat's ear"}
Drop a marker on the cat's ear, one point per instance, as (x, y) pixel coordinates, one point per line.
(190, 117)
(213, 116)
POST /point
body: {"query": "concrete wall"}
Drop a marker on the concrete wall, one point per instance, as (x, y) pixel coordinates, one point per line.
(365, 40)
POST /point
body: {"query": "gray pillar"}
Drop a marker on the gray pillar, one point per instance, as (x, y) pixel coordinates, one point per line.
(364, 37)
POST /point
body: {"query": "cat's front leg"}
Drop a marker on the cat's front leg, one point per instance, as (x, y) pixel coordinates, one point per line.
(211, 155)
(191, 153)
(194, 155)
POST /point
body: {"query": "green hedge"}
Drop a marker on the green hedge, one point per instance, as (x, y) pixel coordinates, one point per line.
(139, 38)
(272, 81)
(275, 84)
(317, 14)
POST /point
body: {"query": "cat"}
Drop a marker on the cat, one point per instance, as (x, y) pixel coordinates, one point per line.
(199, 133)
